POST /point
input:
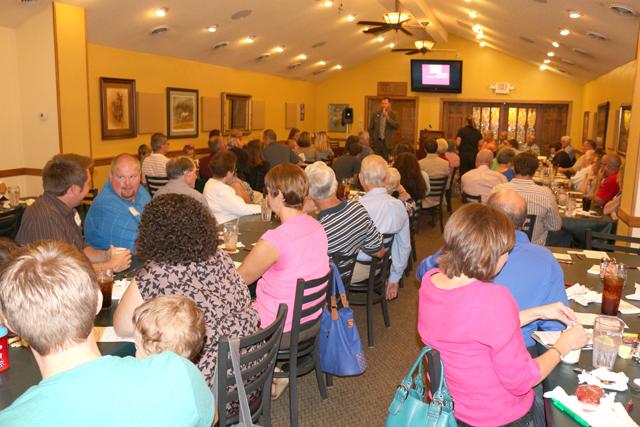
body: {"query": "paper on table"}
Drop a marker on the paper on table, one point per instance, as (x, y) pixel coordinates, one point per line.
(628, 308)
(604, 378)
(565, 257)
(588, 319)
(636, 294)
(108, 334)
(595, 269)
(595, 254)
(236, 264)
(549, 338)
(238, 245)
(119, 286)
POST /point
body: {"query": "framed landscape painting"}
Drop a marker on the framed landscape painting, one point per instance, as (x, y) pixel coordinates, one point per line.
(335, 117)
(117, 108)
(622, 130)
(182, 113)
(602, 122)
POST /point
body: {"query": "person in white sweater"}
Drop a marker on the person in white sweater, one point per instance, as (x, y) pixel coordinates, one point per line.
(223, 201)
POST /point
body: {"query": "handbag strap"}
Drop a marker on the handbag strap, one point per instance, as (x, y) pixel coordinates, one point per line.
(245, 412)
(337, 286)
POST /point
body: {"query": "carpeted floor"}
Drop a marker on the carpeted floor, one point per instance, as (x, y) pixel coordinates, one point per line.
(363, 400)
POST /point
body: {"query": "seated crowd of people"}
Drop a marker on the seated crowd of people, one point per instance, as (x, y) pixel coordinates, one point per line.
(187, 293)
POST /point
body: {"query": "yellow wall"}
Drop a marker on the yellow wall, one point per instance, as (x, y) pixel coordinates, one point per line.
(616, 87)
(71, 55)
(154, 73)
(481, 68)
(29, 82)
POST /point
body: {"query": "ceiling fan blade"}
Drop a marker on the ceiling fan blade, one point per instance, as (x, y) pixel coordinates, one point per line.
(407, 32)
(377, 30)
(371, 23)
(443, 50)
(413, 52)
(402, 50)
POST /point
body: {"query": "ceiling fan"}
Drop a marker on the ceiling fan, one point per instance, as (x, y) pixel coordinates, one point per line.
(392, 21)
(421, 46)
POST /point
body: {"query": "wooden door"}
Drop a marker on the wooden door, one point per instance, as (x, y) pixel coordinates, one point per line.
(453, 117)
(406, 109)
(551, 124)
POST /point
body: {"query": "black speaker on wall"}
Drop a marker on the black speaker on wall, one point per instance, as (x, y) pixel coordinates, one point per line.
(347, 116)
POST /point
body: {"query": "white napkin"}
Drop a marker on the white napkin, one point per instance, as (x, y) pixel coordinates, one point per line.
(236, 264)
(594, 378)
(119, 287)
(238, 245)
(583, 295)
(108, 334)
(588, 319)
(628, 308)
(563, 257)
(595, 254)
(608, 413)
(549, 338)
(636, 295)
(595, 269)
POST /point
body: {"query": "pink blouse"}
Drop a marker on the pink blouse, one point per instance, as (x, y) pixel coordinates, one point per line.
(476, 328)
(302, 254)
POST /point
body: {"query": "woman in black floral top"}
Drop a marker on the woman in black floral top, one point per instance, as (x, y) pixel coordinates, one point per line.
(177, 240)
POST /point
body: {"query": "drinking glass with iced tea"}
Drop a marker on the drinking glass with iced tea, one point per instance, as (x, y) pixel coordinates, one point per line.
(105, 280)
(230, 230)
(614, 277)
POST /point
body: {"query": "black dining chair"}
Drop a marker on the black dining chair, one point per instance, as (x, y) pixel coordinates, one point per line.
(258, 354)
(374, 288)
(528, 225)
(438, 189)
(10, 221)
(607, 242)
(302, 356)
(154, 183)
(468, 198)
(449, 190)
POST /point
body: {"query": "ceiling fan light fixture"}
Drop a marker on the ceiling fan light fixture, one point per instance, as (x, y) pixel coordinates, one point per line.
(351, 18)
(477, 28)
(483, 43)
(379, 39)
(547, 61)
(473, 14)
(337, 67)
(423, 44)
(565, 32)
(394, 18)
(480, 35)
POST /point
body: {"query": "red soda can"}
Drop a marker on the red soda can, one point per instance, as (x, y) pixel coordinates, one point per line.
(4, 349)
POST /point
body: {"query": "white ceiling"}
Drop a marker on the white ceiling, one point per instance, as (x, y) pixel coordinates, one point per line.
(300, 25)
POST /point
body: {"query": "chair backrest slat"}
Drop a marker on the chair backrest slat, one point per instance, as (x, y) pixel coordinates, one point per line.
(466, 198)
(528, 225)
(154, 183)
(598, 240)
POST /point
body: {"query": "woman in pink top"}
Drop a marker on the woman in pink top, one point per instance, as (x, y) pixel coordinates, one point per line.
(297, 249)
(476, 325)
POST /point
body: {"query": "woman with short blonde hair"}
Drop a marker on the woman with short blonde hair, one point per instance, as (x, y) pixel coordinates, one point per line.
(323, 149)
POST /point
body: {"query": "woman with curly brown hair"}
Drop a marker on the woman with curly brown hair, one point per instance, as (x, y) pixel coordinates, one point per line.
(411, 177)
(178, 243)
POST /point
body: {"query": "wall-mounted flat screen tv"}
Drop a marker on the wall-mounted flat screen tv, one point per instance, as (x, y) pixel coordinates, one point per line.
(435, 75)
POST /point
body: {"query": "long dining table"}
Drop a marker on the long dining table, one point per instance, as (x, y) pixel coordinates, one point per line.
(564, 375)
(23, 371)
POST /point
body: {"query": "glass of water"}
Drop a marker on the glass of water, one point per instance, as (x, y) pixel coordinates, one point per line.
(265, 209)
(607, 337)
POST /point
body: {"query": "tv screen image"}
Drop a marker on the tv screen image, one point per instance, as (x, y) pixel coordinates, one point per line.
(436, 75)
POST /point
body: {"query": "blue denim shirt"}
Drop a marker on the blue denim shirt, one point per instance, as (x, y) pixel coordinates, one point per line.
(533, 276)
(112, 220)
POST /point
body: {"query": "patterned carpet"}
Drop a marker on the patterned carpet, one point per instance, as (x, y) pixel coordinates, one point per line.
(363, 400)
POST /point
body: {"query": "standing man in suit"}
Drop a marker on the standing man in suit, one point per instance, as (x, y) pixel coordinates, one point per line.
(381, 126)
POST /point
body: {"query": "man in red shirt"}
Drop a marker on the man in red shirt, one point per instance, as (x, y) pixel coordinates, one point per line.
(609, 188)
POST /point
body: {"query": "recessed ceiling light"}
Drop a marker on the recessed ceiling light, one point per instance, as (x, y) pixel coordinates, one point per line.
(547, 61)
(337, 67)
(248, 39)
(473, 14)
(327, 3)
(321, 63)
(351, 18)
(302, 57)
(479, 36)
(555, 44)
(160, 12)
(278, 49)
(477, 28)
(564, 32)
(551, 54)
(483, 43)
(212, 28)
(391, 45)
(379, 39)
(543, 67)
(574, 14)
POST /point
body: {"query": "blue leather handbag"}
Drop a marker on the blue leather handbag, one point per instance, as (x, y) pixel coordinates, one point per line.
(340, 346)
(409, 409)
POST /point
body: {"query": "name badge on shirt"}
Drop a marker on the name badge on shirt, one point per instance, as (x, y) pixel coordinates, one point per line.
(133, 211)
(77, 219)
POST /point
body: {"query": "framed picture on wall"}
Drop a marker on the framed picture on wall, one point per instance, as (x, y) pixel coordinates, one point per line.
(335, 118)
(622, 129)
(585, 125)
(118, 108)
(602, 122)
(182, 113)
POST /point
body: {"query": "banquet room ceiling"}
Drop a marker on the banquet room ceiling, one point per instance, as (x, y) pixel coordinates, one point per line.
(521, 28)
